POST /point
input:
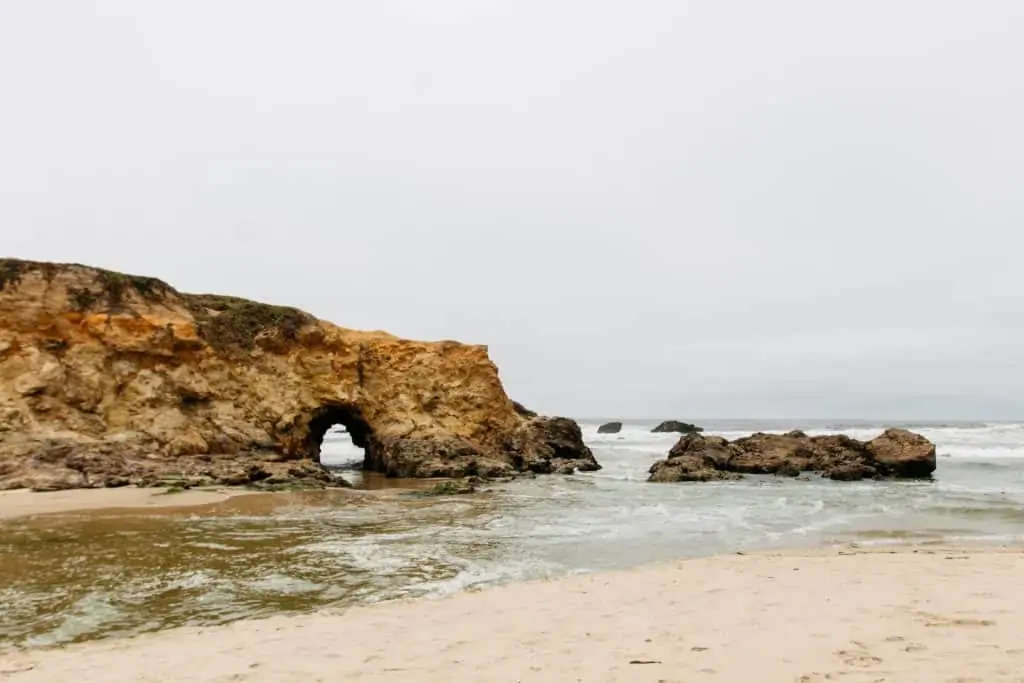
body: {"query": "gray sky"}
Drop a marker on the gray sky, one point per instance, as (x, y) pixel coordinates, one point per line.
(654, 208)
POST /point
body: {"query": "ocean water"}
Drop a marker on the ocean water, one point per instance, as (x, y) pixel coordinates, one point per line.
(100, 574)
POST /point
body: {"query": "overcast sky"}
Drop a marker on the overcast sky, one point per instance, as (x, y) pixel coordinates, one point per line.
(742, 208)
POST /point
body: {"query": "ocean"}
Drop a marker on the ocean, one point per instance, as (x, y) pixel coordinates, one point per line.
(94, 574)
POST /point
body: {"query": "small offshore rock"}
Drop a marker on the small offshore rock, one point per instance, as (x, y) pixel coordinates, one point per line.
(902, 453)
(669, 426)
(610, 428)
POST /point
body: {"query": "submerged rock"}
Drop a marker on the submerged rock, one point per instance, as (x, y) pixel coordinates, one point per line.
(676, 426)
(108, 379)
(455, 487)
(896, 453)
(610, 428)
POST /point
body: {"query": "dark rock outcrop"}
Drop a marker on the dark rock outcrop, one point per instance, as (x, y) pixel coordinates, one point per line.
(678, 427)
(896, 453)
(901, 453)
(108, 379)
(695, 458)
(552, 445)
(522, 410)
(610, 428)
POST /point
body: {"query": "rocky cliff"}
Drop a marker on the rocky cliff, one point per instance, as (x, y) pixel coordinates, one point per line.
(109, 379)
(896, 453)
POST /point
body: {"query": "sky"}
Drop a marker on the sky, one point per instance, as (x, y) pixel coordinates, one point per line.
(660, 208)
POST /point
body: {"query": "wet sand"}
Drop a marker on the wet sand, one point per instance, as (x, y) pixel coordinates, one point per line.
(24, 503)
(856, 616)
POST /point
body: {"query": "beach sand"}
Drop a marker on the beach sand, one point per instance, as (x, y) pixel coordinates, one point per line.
(24, 503)
(853, 616)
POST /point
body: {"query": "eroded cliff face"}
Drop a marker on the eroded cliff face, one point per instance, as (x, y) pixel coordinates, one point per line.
(109, 379)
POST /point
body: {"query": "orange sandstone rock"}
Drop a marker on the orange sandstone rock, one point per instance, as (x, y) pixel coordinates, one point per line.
(109, 379)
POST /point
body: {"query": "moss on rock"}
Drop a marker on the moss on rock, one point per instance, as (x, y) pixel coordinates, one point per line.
(228, 323)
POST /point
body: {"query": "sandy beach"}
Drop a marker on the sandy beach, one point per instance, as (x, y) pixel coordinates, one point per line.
(856, 616)
(25, 503)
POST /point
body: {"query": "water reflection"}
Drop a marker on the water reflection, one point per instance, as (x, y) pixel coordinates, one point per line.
(66, 578)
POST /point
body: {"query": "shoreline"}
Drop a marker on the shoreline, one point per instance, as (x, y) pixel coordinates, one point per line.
(860, 614)
(20, 503)
(25, 503)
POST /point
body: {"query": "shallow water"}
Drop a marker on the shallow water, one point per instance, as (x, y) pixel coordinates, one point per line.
(83, 576)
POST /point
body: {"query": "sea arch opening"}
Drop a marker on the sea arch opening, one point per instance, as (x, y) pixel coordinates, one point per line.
(340, 437)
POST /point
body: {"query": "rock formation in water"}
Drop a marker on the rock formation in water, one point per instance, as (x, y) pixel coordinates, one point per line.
(109, 379)
(676, 426)
(610, 428)
(896, 453)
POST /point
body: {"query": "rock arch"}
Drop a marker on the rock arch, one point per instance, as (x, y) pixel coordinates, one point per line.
(347, 415)
(108, 379)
